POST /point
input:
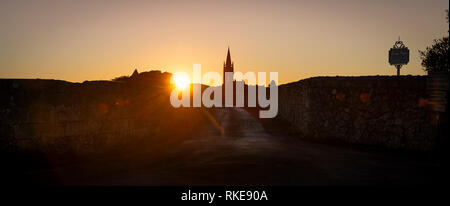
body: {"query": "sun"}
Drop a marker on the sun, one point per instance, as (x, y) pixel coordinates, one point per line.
(181, 80)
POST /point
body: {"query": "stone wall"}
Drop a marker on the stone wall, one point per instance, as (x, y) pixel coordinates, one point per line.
(57, 115)
(375, 110)
(60, 116)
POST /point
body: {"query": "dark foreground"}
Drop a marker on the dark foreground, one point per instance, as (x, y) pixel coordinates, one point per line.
(236, 149)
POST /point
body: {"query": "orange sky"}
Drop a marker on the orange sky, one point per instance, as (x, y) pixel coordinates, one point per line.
(90, 40)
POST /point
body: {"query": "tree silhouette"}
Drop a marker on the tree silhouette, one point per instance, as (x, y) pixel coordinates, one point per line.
(435, 58)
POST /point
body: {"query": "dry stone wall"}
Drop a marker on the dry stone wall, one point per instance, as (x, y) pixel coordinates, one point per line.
(376, 110)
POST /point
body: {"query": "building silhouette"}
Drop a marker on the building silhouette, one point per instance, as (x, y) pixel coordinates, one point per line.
(228, 65)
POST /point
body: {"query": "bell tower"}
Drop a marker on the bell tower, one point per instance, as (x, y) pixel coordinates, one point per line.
(228, 66)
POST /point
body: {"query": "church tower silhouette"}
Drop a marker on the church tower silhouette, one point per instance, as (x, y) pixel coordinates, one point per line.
(228, 66)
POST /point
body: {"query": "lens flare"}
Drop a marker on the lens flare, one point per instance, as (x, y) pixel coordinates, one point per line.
(181, 80)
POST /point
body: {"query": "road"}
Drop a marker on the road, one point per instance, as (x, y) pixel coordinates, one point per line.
(247, 153)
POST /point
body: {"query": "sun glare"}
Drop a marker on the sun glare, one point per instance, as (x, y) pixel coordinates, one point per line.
(181, 80)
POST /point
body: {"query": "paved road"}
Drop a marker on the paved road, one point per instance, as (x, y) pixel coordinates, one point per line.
(246, 153)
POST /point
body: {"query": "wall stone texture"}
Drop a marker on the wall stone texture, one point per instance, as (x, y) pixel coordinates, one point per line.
(388, 111)
(59, 116)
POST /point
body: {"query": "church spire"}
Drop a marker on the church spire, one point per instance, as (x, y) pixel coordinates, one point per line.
(227, 65)
(228, 62)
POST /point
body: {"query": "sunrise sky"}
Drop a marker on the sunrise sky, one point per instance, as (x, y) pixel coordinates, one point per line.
(92, 40)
